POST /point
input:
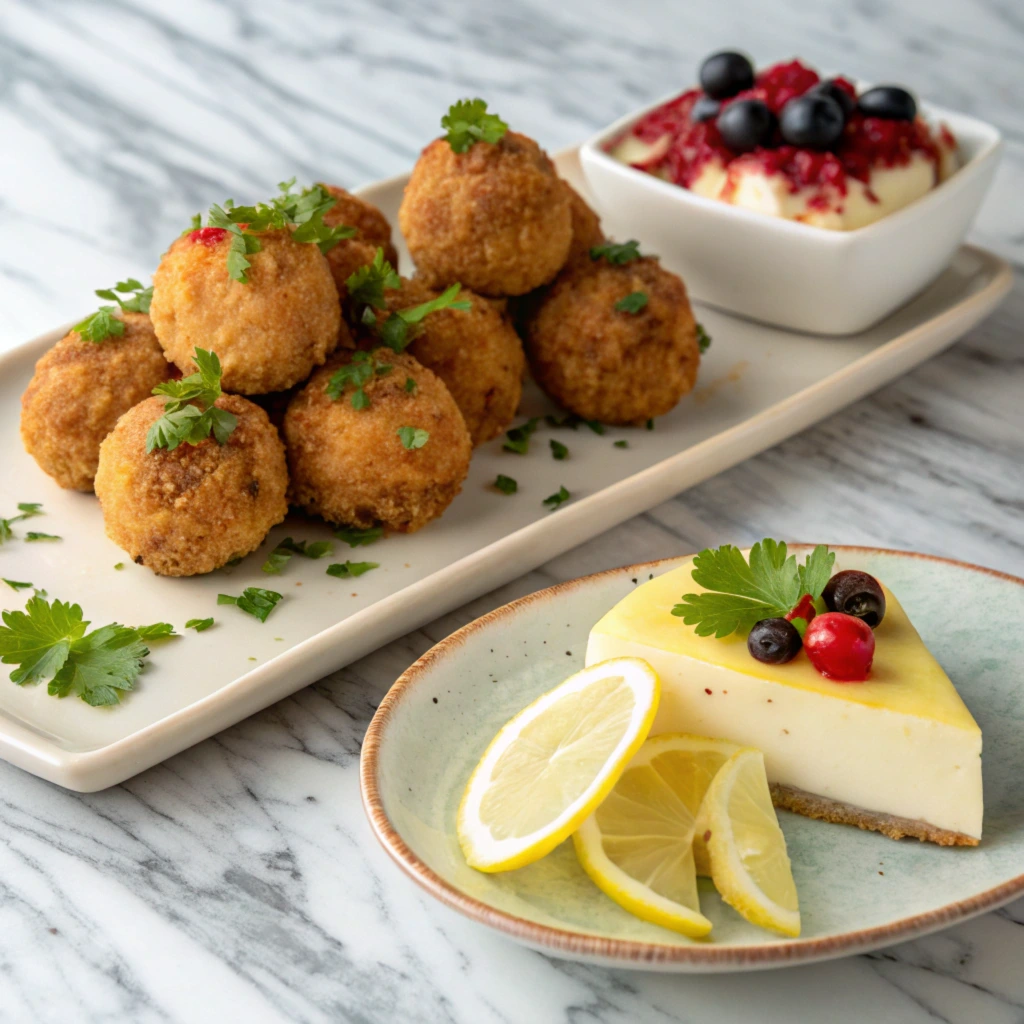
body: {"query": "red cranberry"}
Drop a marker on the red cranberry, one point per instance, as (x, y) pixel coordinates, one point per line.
(840, 647)
(208, 236)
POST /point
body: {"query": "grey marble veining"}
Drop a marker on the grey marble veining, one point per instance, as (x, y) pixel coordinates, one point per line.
(239, 880)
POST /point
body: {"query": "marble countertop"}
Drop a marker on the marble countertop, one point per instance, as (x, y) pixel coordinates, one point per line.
(240, 881)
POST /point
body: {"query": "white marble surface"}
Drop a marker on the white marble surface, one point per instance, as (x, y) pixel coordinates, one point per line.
(239, 881)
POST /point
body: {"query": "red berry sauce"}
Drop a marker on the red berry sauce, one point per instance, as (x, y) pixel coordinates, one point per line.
(867, 142)
(208, 236)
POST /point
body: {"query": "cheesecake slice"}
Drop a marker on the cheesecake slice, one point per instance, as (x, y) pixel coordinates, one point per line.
(899, 754)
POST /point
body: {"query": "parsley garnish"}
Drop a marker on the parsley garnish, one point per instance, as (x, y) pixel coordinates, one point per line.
(349, 570)
(104, 322)
(32, 535)
(617, 253)
(412, 437)
(740, 593)
(506, 484)
(703, 339)
(282, 554)
(518, 438)
(357, 374)
(467, 121)
(410, 385)
(15, 584)
(558, 450)
(49, 642)
(254, 600)
(183, 422)
(649, 425)
(119, 566)
(621, 444)
(27, 510)
(199, 624)
(368, 284)
(634, 302)
(398, 329)
(357, 538)
(560, 497)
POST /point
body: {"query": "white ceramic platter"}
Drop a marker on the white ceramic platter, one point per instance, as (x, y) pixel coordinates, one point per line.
(757, 386)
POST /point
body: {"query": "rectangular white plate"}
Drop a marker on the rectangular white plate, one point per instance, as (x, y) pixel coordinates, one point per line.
(757, 386)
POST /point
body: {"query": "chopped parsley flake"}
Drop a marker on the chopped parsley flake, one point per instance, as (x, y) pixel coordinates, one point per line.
(357, 374)
(560, 497)
(32, 535)
(634, 302)
(26, 510)
(467, 122)
(281, 555)
(649, 425)
(506, 484)
(518, 438)
(355, 537)
(703, 339)
(119, 566)
(254, 601)
(15, 584)
(618, 254)
(410, 385)
(621, 444)
(199, 624)
(349, 570)
(558, 450)
(184, 422)
(50, 642)
(412, 437)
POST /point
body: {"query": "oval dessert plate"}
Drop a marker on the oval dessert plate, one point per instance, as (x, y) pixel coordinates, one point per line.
(858, 890)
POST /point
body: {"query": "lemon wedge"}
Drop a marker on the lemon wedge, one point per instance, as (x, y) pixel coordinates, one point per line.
(638, 846)
(551, 765)
(747, 850)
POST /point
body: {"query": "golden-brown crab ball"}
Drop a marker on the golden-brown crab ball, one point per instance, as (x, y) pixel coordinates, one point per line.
(496, 218)
(476, 352)
(193, 509)
(352, 466)
(79, 390)
(269, 333)
(609, 364)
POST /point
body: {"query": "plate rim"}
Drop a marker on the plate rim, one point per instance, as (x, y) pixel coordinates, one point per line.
(571, 944)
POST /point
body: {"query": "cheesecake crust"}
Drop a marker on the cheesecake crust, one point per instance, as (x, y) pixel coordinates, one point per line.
(789, 798)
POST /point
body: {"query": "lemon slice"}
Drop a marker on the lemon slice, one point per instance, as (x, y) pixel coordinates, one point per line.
(554, 763)
(749, 863)
(638, 845)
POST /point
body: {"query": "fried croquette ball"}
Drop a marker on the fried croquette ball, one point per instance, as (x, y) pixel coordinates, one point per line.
(269, 333)
(476, 352)
(586, 226)
(193, 509)
(612, 365)
(351, 466)
(79, 390)
(496, 218)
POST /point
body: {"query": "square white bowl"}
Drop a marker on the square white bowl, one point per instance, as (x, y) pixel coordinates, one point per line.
(784, 272)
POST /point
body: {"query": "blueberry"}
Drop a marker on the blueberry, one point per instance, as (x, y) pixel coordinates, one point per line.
(889, 102)
(774, 641)
(746, 124)
(812, 121)
(829, 88)
(724, 74)
(855, 593)
(704, 109)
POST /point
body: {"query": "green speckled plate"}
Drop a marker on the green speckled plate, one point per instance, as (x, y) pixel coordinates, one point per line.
(858, 890)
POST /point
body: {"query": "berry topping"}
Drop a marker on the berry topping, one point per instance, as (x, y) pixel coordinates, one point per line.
(724, 74)
(746, 124)
(840, 90)
(840, 647)
(804, 610)
(774, 641)
(704, 109)
(889, 102)
(208, 236)
(855, 593)
(814, 121)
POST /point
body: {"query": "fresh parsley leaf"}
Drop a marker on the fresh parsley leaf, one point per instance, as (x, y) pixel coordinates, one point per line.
(739, 592)
(139, 298)
(306, 210)
(26, 510)
(518, 438)
(467, 122)
(649, 425)
(399, 329)
(119, 566)
(558, 450)
(199, 624)
(412, 437)
(49, 642)
(506, 484)
(570, 420)
(703, 339)
(281, 555)
(349, 570)
(158, 631)
(253, 600)
(634, 302)
(356, 374)
(621, 444)
(32, 535)
(618, 254)
(596, 426)
(368, 284)
(102, 324)
(15, 584)
(185, 423)
(560, 497)
(355, 537)
(410, 385)
(276, 561)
